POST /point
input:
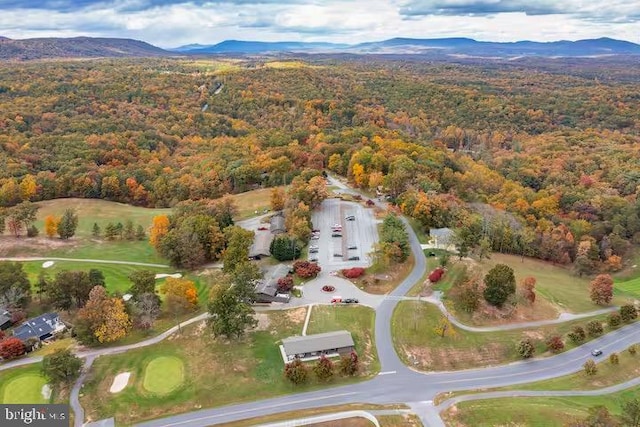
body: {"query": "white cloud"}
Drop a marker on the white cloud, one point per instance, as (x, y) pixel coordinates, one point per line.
(169, 25)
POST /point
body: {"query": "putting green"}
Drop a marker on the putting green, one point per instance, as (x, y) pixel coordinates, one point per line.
(163, 374)
(25, 388)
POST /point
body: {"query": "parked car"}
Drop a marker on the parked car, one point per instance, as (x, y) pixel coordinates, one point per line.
(352, 247)
(350, 301)
(336, 226)
(313, 250)
(350, 218)
(596, 352)
(336, 235)
(336, 299)
(313, 259)
(354, 258)
(315, 230)
(262, 228)
(315, 237)
(337, 255)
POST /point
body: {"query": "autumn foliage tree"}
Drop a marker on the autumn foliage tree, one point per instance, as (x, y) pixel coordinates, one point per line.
(323, 368)
(11, 348)
(181, 295)
(601, 290)
(628, 313)
(296, 372)
(555, 344)
(277, 199)
(594, 328)
(577, 334)
(525, 348)
(306, 269)
(529, 289)
(349, 364)
(590, 367)
(51, 225)
(103, 318)
(159, 228)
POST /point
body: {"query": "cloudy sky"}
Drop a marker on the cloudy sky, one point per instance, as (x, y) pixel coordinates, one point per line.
(171, 23)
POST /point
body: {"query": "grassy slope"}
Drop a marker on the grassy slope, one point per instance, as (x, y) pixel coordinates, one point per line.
(356, 319)
(535, 411)
(413, 326)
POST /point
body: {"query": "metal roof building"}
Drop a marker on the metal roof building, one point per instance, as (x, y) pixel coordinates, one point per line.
(313, 346)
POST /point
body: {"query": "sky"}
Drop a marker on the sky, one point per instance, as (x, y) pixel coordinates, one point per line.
(172, 23)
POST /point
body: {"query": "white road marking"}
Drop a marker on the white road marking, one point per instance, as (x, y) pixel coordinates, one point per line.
(387, 373)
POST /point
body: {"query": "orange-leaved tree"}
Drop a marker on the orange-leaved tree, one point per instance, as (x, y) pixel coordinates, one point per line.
(159, 228)
(51, 225)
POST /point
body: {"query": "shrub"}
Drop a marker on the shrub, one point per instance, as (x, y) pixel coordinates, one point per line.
(614, 320)
(633, 349)
(11, 348)
(436, 275)
(306, 269)
(525, 348)
(285, 284)
(628, 313)
(323, 368)
(614, 359)
(555, 344)
(349, 365)
(590, 367)
(353, 273)
(594, 328)
(577, 334)
(32, 231)
(296, 372)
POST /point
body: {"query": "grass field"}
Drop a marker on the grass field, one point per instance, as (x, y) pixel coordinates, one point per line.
(163, 374)
(356, 319)
(116, 275)
(418, 345)
(216, 372)
(22, 385)
(534, 411)
(555, 283)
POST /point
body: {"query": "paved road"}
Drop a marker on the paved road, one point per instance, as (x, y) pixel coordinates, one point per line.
(97, 261)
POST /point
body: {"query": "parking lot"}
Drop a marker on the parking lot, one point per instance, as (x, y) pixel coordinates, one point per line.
(359, 234)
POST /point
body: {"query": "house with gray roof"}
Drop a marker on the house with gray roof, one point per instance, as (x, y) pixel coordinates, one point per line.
(276, 224)
(42, 327)
(261, 244)
(311, 347)
(442, 238)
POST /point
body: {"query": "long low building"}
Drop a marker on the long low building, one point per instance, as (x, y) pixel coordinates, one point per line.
(311, 347)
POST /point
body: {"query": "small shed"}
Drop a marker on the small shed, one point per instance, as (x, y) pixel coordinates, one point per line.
(5, 319)
(277, 224)
(311, 347)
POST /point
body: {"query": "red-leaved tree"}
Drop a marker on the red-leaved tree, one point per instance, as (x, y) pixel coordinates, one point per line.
(555, 344)
(602, 289)
(529, 289)
(11, 348)
(285, 284)
(436, 275)
(353, 273)
(306, 269)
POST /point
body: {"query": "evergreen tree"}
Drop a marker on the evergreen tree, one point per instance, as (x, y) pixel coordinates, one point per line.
(95, 231)
(68, 224)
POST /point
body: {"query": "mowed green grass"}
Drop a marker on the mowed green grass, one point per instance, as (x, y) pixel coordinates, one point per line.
(163, 374)
(358, 320)
(536, 411)
(216, 372)
(116, 275)
(555, 283)
(98, 211)
(22, 385)
(417, 343)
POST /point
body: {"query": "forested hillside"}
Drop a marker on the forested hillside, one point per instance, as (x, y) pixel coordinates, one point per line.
(554, 146)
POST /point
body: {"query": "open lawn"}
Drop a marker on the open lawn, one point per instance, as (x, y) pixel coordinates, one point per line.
(23, 385)
(418, 345)
(116, 275)
(356, 319)
(163, 374)
(251, 201)
(381, 281)
(555, 283)
(216, 372)
(534, 411)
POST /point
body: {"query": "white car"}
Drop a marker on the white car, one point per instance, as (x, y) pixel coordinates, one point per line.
(314, 247)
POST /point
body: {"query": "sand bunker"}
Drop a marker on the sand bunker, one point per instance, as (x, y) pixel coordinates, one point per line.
(174, 275)
(46, 391)
(47, 264)
(120, 382)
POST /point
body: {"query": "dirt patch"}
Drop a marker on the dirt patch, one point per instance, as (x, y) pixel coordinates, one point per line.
(443, 358)
(263, 321)
(534, 335)
(297, 315)
(31, 246)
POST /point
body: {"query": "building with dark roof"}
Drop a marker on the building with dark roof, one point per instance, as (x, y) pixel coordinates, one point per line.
(261, 244)
(276, 224)
(42, 327)
(311, 347)
(5, 319)
(267, 288)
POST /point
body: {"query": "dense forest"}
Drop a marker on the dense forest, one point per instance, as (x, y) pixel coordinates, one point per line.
(535, 158)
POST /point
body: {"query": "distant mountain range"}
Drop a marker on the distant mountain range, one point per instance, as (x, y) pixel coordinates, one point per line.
(452, 47)
(446, 46)
(76, 47)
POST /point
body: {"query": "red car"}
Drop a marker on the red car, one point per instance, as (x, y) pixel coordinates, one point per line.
(262, 228)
